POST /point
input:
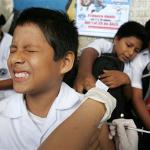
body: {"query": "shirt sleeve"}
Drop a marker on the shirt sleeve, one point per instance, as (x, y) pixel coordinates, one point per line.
(5, 46)
(137, 69)
(100, 45)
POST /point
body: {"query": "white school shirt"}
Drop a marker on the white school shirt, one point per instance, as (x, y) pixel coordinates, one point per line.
(105, 46)
(4, 53)
(138, 65)
(17, 129)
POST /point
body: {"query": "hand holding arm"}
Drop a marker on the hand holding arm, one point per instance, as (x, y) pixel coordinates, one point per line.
(114, 78)
(85, 80)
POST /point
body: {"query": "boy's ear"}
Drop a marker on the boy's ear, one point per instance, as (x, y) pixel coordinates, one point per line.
(115, 40)
(67, 62)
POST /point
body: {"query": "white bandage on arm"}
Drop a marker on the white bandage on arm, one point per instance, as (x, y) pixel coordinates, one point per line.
(104, 97)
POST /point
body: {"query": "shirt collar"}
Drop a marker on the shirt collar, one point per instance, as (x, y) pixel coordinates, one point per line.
(67, 97)
(12, 106)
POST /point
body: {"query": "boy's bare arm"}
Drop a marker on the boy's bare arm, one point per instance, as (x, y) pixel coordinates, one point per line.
(76, 131)
(6, 84)
(140, 107)
(85, 79)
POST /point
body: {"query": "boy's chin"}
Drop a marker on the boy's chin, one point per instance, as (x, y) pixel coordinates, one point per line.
(20, 89)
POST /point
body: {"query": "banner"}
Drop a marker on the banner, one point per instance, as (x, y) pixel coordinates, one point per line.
(101, 17)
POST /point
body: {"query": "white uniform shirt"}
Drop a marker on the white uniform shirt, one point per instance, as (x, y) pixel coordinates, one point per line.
(105, 46)
(18, 131)
(4, 53)
(138, 65)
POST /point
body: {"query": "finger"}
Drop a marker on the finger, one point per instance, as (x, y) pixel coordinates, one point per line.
(89, 85)
(111, 86)
(110, 136)
(131, 133)
(105, 71)
(121, 132)
(104, 75)
(108, 83)
(78, 88)
(112, 130)
(109, 72)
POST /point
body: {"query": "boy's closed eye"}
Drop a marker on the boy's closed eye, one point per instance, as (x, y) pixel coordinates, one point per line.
(130, 45)
(31, 50)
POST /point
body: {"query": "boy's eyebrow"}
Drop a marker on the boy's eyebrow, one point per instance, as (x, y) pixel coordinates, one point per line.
(26, 46)
(13, 46)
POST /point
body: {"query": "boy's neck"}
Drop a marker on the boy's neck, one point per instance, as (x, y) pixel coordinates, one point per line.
(39, 104)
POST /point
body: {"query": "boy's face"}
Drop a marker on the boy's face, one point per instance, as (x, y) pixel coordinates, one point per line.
(127, 48)
(31, 63)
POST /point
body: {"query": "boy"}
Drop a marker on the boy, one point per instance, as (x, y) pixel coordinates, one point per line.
(5, 81)
(43, 49)
(128, 41)
(139, 103)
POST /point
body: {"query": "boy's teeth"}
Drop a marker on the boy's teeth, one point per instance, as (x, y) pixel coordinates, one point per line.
(21, 75)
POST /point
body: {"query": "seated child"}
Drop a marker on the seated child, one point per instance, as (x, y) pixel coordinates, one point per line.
(142, 118)
(43, 49)
(129, 40)
(5, 81)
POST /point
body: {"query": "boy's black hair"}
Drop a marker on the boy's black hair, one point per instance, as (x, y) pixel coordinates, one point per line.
(147, 28)
(58, 29)
(2, 20)
(133, 28)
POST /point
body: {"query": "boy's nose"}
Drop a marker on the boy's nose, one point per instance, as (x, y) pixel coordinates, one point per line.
(131, 52)
(17, 58)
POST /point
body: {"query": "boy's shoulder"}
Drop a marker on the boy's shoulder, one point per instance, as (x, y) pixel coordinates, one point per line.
(142, 57)
(10, 106)
(7, 37)
(68, 97)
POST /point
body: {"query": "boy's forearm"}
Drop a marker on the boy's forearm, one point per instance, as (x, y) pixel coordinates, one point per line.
(140, 107)
(128, 91)
(87, 59)
(78, 129)
(6, 84)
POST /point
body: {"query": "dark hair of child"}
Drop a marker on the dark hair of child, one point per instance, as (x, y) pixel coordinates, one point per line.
(56, 26)
(135, 29)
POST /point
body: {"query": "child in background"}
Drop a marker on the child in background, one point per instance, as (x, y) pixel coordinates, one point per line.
(43, 49)
(129, 40)
(143, 116)
(5, 81)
